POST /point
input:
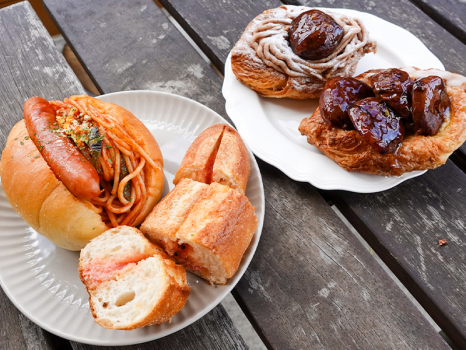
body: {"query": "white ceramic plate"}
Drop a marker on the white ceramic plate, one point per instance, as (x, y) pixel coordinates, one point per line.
(42, 280)
(270, 126)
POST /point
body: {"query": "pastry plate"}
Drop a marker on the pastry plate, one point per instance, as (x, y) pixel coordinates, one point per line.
(42, 280)
(270, 126)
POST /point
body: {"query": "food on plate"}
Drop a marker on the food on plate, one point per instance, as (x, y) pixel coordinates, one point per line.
(131, 282)
(338, 95)
(218, 154)
(378, 125)
(415, 122)
(314, 35)
(74, 168)
(206, 228)
(291, 51)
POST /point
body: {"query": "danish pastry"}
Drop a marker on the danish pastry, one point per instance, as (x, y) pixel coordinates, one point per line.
(426, 145)
(275, 60)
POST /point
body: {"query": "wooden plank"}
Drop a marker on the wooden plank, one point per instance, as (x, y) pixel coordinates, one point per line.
(151, 65)
(404, 226)
(213, 331)
(311, 283)
(31, 66)
(212, 26)
(450, 14)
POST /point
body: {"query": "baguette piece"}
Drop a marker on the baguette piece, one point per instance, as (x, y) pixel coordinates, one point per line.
(218, 154)
(167, 217)
(131, 282)
(211, 240)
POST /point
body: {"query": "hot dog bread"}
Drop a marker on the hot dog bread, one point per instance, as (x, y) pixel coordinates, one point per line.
(49, 166)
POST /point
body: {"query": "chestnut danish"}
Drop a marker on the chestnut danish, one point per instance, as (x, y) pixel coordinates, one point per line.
(415, 121)
(291, 51)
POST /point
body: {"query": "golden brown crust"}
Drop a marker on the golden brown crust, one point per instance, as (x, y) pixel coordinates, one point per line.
(198, 160)
(41, 199)
(153, 179)
(218, 154)
(352, 153)
(232, 165)
(264, 77)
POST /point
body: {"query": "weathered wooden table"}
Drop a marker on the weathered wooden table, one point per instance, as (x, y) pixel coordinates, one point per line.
(311, 284)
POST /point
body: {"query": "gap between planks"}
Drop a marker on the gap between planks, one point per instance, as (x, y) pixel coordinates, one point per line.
(233, 309)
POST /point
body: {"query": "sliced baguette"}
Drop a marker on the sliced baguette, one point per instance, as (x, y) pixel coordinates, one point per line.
(131, 282)
(213, 237)
(218, 154)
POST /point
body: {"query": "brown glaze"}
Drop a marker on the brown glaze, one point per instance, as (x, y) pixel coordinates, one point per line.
(394, 86)
(378, 124)
(338, 95)
(314, 35)
(430, 105)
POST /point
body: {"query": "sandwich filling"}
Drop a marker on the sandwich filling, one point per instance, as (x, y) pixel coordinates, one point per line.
(118, 159)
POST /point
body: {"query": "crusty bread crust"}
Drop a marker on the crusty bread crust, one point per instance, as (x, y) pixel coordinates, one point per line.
(417, 152)
(232, 165)
(218, 154)
(151, 266)
(199, 158)
(214, 226)
(41, 199)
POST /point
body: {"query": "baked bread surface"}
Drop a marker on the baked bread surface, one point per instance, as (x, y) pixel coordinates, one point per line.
(417, 152)
(131, 282)
(207, 229)
(262, 59)
(218, 154)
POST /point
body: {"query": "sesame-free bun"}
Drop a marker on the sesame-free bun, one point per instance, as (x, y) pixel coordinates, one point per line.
(44, 202)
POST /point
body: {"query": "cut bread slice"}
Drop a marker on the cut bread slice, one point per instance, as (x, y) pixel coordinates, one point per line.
(167, 217)
(199, 159)
(218, 154)
(232, 166)
(213, 237)
(131, 282)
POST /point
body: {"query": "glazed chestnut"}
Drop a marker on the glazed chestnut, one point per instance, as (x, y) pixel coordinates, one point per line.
(431, 105)
(314, 35)
(394, 86)
(338, 95)
(378, 124)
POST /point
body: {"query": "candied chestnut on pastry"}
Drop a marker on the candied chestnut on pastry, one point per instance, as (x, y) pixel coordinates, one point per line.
(377, 145)
(338, 95)
(378, 125)
(292, 51)
(314, 35)
(394, 86)
(431, 105)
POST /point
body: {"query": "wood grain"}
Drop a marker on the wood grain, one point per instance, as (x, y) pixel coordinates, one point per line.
(311, 283)
(213, 331)
(31, 66)
(216, 26)
(450, 14)
(404, 226)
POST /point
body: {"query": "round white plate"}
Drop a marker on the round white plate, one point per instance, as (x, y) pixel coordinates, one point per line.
(270, 126)
(42, 280)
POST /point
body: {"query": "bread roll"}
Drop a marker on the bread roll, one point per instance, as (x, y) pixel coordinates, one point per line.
(218, 154)
(131, 282)
(208, 235)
